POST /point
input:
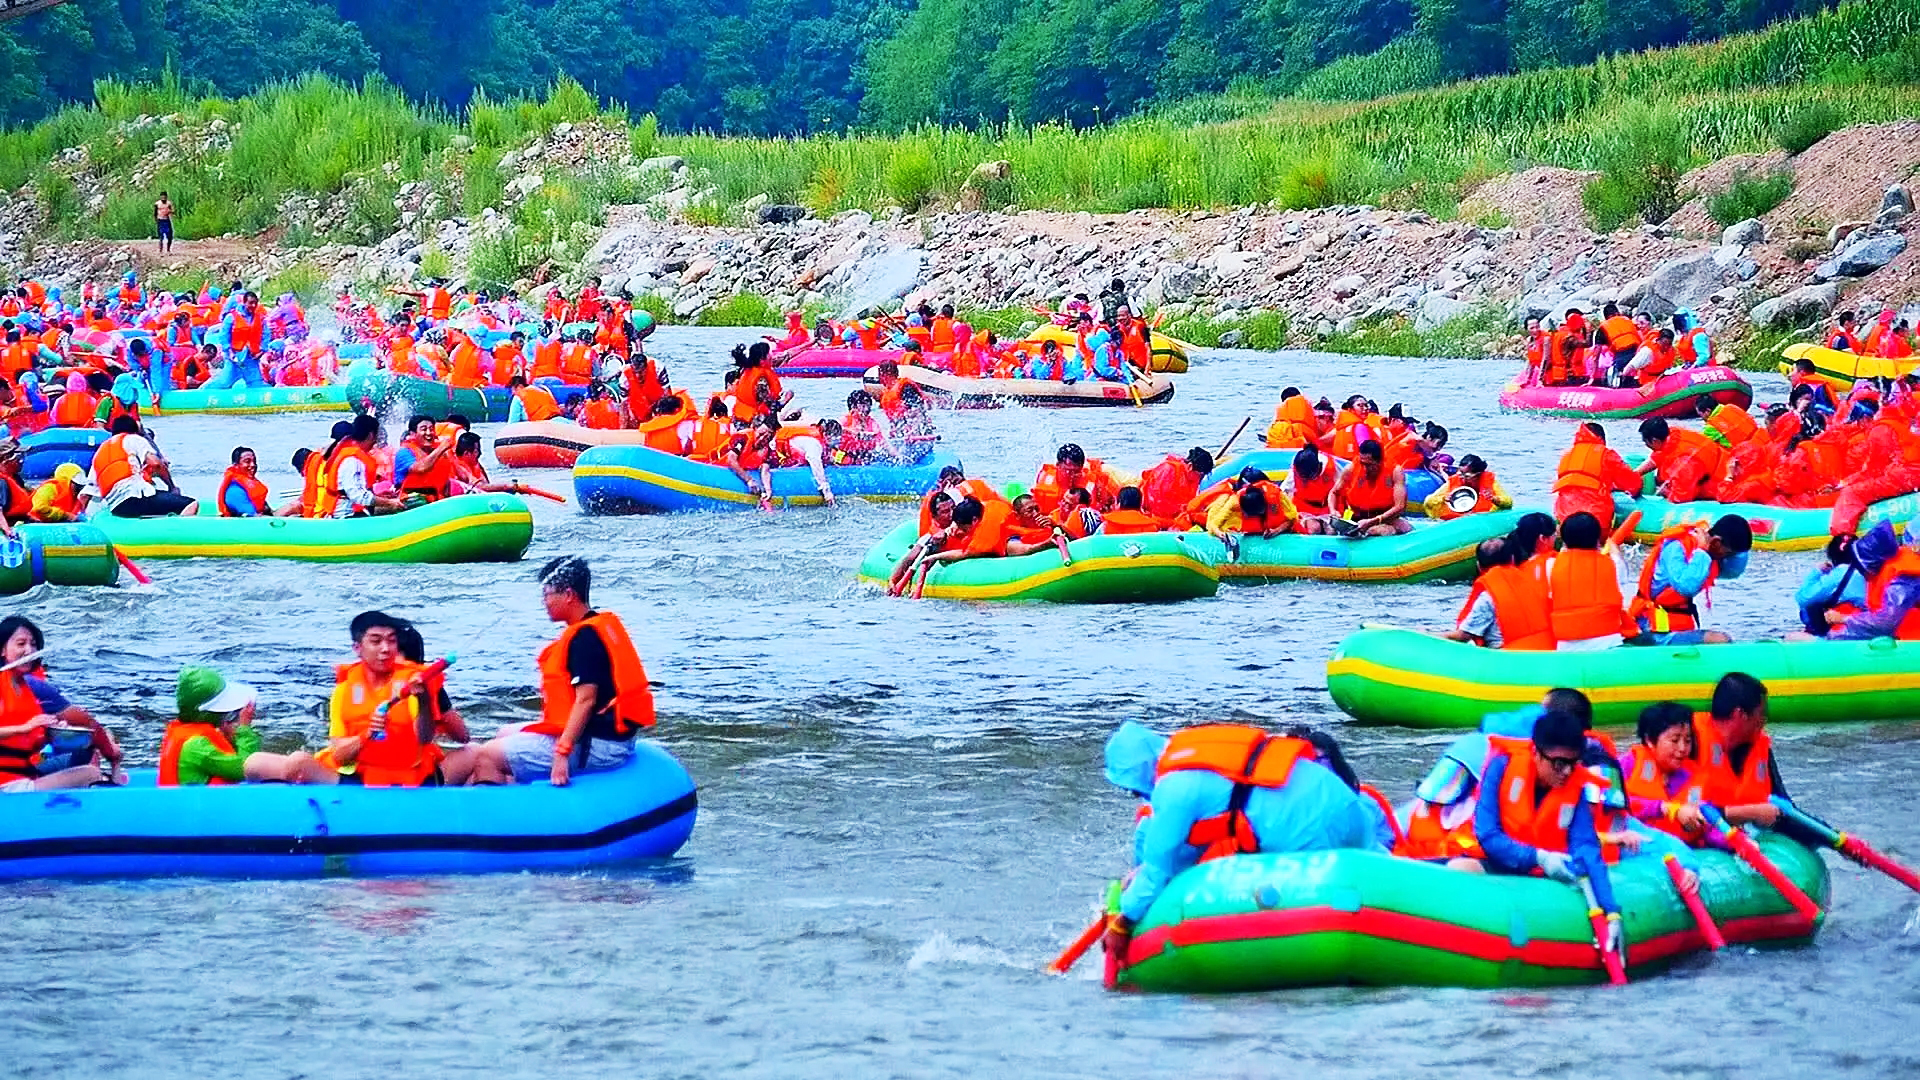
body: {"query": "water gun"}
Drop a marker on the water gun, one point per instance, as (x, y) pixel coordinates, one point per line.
(378, 731)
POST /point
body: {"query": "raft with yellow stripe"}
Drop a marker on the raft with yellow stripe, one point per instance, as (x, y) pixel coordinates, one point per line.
(465, 528)
(642, 480)
(1840, 369)
(1136, 568)
(1411, 679)
(1433, 551)
(65, 554)
(1775, 528)
(1169, 354)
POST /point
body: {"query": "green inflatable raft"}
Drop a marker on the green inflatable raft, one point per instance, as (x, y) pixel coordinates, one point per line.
(1775, 528)
(1433, 551)
(465, 528)
(1406, 678)
(1148, 567)
(67, 554)
(252, 401)
(1334, 918)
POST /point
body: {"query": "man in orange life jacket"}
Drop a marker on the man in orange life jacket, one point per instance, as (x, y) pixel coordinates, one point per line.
(1683, 565)
(123, 474)
(1733, 760)
(246, 331)
(1690, 465)
(1892, 570)
(1506, 608)
(595, 696)
(385, 713)
(1224, 789)
(423, 465)
(1374, 493)
(1587, 611)
(1532, 817)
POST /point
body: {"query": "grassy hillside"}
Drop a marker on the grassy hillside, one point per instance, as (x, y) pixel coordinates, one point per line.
(231, 164)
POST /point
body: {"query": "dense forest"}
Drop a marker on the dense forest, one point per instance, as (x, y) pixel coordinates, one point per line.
(792, 66)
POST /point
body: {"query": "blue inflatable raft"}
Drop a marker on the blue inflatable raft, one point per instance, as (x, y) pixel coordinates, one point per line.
(640, 480)
(644, 809)
(1278, 463)
(56, 446)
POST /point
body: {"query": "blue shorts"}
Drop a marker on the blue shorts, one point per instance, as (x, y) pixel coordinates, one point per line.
(1671, 637)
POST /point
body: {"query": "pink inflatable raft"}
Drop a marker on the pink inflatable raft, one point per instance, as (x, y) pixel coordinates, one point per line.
(1672, 395)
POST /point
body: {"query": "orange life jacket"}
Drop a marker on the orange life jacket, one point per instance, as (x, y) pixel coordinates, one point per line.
(1276, 519)
(256, 491)
(1247, 756)
(601, 414)
(111, 464)
(1646, 780)
(1622, 336)
(538, 403)
(1368, 497)
(330, 491)
(1734, 423)
(434, 482)
(74, 409)
(439, 303)
(1482, 495)
(247, 332)
(1127, 522)
(1584, 465)
(546, 360)
(64, 506)
(1313, 496)
(399, 758)
(940, 337)
(1047, 488)
(1585, 597)
(19, 754)
(1520, 607)
(1713, 770)
(1904, 563)
(463, 365)
(312, 475)
(1670, 611)
(1293, 424)
(175, 739)
(662, 433)
(1543, 823)
(633, 695)
(784, 454)
(1166, 488)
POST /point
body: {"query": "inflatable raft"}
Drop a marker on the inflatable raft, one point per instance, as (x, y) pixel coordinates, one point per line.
(1433, 551)
(555, 444)
(644, 809)
(1169, 354)
(1840, 370)
(1146, 567)
(370, 389)
(56, 446)
(832, 361)
(65, 554)
(1335, 918)
(1671, 395)
(1382, 675)
(641, 480)
(254, 401)
(961, 392)
(1775, 528)
(1277, 464)
(465, 528)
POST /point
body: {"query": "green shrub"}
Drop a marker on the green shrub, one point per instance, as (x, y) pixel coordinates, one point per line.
(912, 177)
(1258, 330)
(1750, 197)
(1329, 178)
(1642, 151)
(655, 305)
(741, 309)
(128, 215)
(58, 197)
(303, 279)
(1809, 124)
(435, 263)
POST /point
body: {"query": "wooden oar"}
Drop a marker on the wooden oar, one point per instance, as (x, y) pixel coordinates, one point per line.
(1231, 439)
(1749, 852)
(1615, 965)
(1851, 846)
(1691, 897)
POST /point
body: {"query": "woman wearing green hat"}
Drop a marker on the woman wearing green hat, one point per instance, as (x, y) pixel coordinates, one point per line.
(213, 741)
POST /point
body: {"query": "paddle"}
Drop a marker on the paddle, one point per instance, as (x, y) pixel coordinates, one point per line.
(1742, 845)
(1624, 531)
(1071, 956)
(528, 489)
(1615, 964)
(1691, 897)
(138, 575)
(1231, 439)
(1851, 846)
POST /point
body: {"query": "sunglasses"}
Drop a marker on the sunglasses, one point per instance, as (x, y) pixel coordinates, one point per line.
(1564, 764)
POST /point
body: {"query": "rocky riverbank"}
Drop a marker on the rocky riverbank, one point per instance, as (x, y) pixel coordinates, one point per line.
(1520, 247)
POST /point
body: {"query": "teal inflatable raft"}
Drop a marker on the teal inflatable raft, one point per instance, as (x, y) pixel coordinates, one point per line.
(1433, 551)
(1775, 528)
(1334, 918)
(66, 554)
(1145, 567)
(465, 528)
(254, 401)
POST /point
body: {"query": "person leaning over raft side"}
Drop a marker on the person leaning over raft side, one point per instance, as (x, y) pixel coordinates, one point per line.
(1684, 565)
(1507, 608)
(1838, 584)
(1892, 601)
(395, 749)
(1227, 789)
(1126, 517)
(1733, 762)
(594, 692)
(212, 739)
(1531, 816)
(59, 498)
(124, 470)
(346, 488)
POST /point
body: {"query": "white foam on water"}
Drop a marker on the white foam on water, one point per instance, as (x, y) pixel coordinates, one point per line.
(942, 951)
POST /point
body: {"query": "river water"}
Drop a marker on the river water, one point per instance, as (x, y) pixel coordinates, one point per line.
(902, 815)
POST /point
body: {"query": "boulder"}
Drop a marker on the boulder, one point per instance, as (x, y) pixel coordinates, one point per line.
(755, 203)
(689, 307)
(1842, 231)
(525, 184)
(696, 270)
(1895, 204)
(1683, 283)
(1179, 283)
(1862, 256)
(880, 278)
(1235, 263)
(781, 214)
(664, 163)
(1742, 233)
(1347, 285)
(1289, 266)
(1800, 307)
(1231, 339)
(1438, 309)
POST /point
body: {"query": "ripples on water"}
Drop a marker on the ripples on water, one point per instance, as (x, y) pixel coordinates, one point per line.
(902, 816)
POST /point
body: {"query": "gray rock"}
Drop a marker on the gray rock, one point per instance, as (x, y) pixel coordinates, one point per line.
(754, 203)
(1862, 257)
(880, 278)
(1746, 269)
(664, 163)
(1742, 233)
(1232, 339)
(1438, 309)
(1896, 198)
(525, 184)
(1347, 285)
(1179, 283)
(1683, 283)
(851, 218)
(1800, 307)
(689, 307)
(781, 214)
(1842, 231)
